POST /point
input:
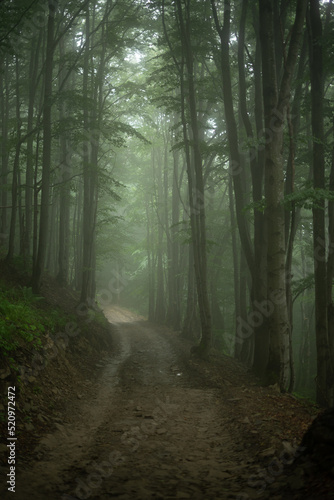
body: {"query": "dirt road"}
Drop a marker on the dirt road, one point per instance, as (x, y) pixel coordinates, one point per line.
(149, 428)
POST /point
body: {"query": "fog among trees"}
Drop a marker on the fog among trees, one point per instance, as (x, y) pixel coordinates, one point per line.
(177, 157)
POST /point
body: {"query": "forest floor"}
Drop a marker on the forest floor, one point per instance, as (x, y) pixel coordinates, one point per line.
(139, 418)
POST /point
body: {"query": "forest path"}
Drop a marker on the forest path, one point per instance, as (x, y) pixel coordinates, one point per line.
(151, 427)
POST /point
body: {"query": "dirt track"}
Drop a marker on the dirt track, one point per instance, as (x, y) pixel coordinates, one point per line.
(149, 428)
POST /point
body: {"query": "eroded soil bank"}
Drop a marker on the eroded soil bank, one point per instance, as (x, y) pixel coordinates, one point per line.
(155, 423)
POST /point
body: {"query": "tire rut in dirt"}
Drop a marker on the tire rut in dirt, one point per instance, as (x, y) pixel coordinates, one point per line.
(68, 448)
(168, 444)
(165, 438)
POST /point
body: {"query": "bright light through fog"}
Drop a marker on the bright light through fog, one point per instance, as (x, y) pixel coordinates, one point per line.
(134, 57)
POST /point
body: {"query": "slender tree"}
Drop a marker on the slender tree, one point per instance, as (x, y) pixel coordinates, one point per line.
(275, 109)
(195, 174)
(324, 364)
(47, 142)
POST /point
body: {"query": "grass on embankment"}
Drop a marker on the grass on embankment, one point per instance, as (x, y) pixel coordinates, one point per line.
(23, 320)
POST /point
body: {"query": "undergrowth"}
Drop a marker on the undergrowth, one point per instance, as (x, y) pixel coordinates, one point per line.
(22, 322)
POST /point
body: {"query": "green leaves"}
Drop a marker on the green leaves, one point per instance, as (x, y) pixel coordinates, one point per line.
(308, 198)
(259, 206)
(21, 321)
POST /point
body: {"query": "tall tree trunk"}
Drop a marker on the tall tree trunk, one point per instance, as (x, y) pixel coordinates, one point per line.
(150, 262)
(195, 181)
(275, 108)
(292, 219)
(160, 311)
(236, 171)
(91, 146)
(64, 190)
(330, 268)
(77, 239)
(4, 106)
(47, 140)
(190, 327)
(238, 341)
(88, 227)
(175, 289)
(304, 350)
(259, 342)
(16, 167)
(29, 180)
(52, 243)
(35, 204)
(172, 257)
(324, 377)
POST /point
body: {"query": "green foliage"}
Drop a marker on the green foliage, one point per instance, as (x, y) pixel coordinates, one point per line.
(260, 206)
(28, 296)
(308, 198)
(21, 322)
(100, 318)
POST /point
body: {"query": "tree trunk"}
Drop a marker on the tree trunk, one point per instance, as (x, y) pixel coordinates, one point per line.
(258, 344)
(236, 171)
(190, 327)
(237, 341)
(4, 106)
(275, 108)
(324, 376)
(29, 180)
(89, 176)
(47, 140)
(175, 296)
(195, 182)
(330, 267)
(64, 190)
(16, 167)
(150, 262)
(91, 146)
(292, 219)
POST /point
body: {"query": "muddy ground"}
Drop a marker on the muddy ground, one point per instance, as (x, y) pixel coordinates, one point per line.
(152, 422)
